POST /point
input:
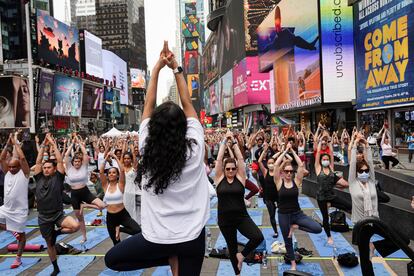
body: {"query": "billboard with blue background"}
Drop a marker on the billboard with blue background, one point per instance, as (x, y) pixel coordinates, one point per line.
(383, 55)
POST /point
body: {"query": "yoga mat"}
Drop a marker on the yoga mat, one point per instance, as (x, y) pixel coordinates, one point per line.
(312, 268)
(326, 250)
(398, 254)
(40, 240)
(69, 265)
(379, 270)
(256, 216)
(162, 271)
(34, 221)
(304, 203)
(110, 272)
(225, 268)
(319, 214)
(7, 237)
(213, 202)
(26, 264)
(95, 236)
(91, 216)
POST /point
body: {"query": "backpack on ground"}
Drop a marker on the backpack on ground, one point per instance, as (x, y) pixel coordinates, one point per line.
(348, 260)
(338, 221)
(64, 248)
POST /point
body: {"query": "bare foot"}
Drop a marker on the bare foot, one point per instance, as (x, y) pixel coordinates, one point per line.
(85, 239)
(81, 209)
(117, 233)
(330, 241)
(371, 250)
(292, 265)
(240, 259)
(293, 227)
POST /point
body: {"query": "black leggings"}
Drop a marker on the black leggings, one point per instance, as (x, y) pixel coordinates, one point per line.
(388, 159)
(338, 203)
(123, 218)
(137, 253)
(247, 228)
(271, 208)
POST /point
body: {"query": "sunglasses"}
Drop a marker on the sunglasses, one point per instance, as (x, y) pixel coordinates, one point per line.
(364, 171)
(230, 169)
(289, 171)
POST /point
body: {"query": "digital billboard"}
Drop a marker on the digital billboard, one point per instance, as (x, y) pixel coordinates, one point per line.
(226, 86)
(137, 78)
(190, 9)
(191, 62)
(337, 42)
(193, 83)
(214, 99)
(383, 53)
(93, 54)
(240, 88)
(14, 102)
(206, 100)
(210, 62)
(45, 92)
(67, 96)
(112, 102)
(92, 100)
(57, 42)
(288, 42)
(258, 83)
(115, 73)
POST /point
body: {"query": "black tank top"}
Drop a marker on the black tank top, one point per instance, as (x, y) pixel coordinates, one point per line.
(269, 188)
(230, 200)
(288, 199)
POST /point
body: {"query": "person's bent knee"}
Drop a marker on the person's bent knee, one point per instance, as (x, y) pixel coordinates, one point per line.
(110, 259)
(75, 226)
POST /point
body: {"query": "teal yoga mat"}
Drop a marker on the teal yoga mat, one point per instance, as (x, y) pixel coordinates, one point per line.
(319, 214)
(41, 241)
(162, 271)
(379, 270)
(326, 250)
(27, 263)
(398, 254)
(69, 265)
(95, 236)
(7, 237)
(225, 268)
(312, 268)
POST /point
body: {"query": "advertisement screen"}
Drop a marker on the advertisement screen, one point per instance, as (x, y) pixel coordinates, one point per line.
(93, 55)
(137, 78)
(258, 83)
(14, 102)
(337, 51)
(193, 85)
(190, 26)
(115, 72)
(226, 86)
(210, 63)
(255, 12)
(191, 44)
(191, 62)
(384, 53)
(289, 42)
(92, 100)
(112, 102)
(57, 42)
(240, 84)
(67, 96)
(45, 92)
(190, 9)
(206, 100)
(214, 99)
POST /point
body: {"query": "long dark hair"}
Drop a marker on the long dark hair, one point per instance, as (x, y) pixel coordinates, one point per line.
(165, 152)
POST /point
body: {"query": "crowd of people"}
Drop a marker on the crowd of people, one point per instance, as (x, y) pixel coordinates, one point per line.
(157, 186)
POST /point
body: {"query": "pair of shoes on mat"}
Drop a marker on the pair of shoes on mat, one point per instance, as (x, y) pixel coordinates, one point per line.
(17, 262)
(304, 252)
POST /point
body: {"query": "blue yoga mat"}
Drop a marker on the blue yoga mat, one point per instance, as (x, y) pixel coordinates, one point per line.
(225, 268)
(26, 264)
(162, 271)
(326, 250)
(213, 202)
(69, 265)
(7, 237)
(110, 272)
(398, 254)
(312, 268)
(91, 216)
(304, 203)
(41, 241)
(256, 215)
(95, 236)
(319, 214)
(379, 270)
(34, 221)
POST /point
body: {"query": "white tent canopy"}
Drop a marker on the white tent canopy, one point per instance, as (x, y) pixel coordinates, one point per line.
(113, 133)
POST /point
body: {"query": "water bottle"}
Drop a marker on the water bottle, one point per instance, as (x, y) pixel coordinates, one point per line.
(208, 242)
(335, 253)
(264, 259)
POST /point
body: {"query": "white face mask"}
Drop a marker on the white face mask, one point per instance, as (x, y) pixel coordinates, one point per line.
(271, 167)
(325, 163)
(363, 177)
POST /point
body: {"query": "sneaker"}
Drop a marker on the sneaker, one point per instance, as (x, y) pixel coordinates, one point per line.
(16, 263)
(302, 251)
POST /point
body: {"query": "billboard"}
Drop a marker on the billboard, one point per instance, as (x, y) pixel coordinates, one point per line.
(210, 63)
(92, 100)
(240, 84)
(191, 62)
(337, 42)
(190, 9)
(214, 99)
(255, 11)
(193, 85)
(383, 54)
(112, 102)
(57, 42)
(137, 78)
(206, 100)
(14, 102)
(226, 86)
(258, 83)
(190, 26)
(191, 44)
(93, 54)
(288, 43)
(67, 96)
(45, 92)
(115, 73)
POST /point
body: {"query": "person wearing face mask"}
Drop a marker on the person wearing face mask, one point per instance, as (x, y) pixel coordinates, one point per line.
(365, 204)
(327, 180)
(270, 195)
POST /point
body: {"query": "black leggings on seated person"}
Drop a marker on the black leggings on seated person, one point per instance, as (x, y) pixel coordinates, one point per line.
(138, 253)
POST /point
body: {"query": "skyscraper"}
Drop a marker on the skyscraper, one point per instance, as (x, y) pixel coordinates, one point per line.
(83, 15)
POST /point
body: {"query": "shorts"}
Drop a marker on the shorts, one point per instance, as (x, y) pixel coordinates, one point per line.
(47, 223)
(15, 220)
(81, 195)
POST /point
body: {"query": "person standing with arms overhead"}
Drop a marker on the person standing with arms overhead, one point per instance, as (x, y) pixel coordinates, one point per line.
(49, 178)
(13, 214)
(232, 212)
(175, 188)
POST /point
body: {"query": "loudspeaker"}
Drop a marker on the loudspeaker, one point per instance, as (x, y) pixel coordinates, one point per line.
(295, 273)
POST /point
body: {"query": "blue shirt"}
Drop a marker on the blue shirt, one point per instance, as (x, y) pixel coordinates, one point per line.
(410, 141)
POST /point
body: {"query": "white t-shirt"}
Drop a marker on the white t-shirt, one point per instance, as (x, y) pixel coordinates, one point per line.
(180, 213)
